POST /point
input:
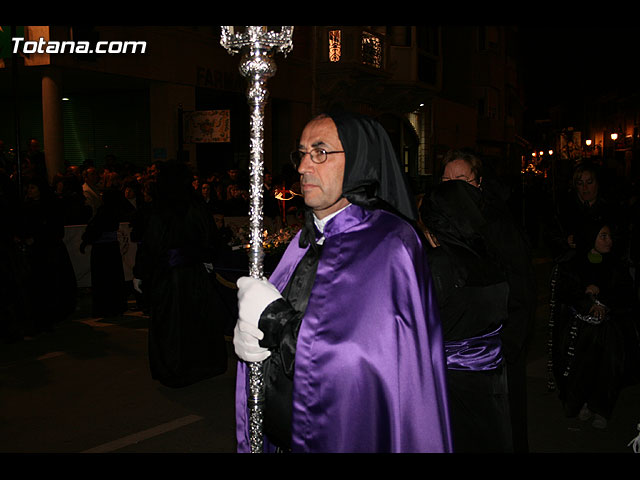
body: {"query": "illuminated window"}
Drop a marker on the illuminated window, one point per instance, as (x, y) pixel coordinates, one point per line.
(335, 45)
(371, 50)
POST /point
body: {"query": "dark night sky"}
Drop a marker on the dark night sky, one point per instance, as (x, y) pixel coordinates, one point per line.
(561, 62)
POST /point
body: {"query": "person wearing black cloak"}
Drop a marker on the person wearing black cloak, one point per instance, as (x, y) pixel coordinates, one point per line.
(51, 284)
(174, 267)
(595, 334)
(512, 250)
(108, 294)
(13, 264)
(472, 294)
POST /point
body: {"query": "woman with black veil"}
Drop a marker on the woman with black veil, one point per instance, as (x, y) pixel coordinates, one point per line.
(186, 334)
(472, 295)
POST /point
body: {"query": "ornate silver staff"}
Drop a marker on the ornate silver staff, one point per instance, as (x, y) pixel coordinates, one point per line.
(257, 66)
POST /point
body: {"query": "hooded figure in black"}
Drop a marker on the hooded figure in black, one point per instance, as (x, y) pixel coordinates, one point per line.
(595, 330)
(283, 312)
(108, 292)
(510, 247)
(472, 295)
(186, 335)
(51, 284)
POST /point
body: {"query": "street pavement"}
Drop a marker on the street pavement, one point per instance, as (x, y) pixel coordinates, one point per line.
(86, 388)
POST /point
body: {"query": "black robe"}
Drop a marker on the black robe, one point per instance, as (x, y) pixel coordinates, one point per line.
(510, 247)
(188, 315)
(51, 282)
(108, 293)
(472, 294)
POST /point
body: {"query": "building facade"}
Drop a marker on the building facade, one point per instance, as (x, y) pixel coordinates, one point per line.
(432, 87)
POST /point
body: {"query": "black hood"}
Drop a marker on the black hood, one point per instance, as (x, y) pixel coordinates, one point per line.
(453, 214)
(373, 177)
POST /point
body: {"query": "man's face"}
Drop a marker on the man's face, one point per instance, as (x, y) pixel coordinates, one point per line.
(321, 183)
(460, 170)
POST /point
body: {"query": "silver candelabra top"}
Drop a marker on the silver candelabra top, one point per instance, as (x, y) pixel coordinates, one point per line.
(233, 39)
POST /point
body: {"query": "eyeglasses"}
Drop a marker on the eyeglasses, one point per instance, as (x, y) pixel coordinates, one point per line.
(318, 155)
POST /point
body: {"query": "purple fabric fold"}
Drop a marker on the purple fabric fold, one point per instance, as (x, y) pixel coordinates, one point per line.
(477, 353)
(370, 365)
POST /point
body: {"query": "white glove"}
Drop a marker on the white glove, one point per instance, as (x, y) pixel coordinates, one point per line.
(254, 295)
(246, 340)
(136, 285)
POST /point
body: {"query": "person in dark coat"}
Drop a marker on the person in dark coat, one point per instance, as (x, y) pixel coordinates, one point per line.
(108, 293)
(585, 202)
(174, 269)
(509, 244)
(138, 224)
(472, 294)
(595, 337)
(51, 279)
(13, 264)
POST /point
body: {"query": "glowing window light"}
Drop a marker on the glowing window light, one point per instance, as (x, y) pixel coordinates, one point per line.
(335, 45)
(371, 50)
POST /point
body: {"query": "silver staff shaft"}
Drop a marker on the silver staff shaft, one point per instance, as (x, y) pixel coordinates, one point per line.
(257, 96)
(257, 66)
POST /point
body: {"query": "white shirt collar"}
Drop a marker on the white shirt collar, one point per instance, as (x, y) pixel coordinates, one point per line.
(320, 223)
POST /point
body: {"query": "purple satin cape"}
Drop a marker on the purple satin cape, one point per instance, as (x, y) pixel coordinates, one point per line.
(370, 365)
(476, 354)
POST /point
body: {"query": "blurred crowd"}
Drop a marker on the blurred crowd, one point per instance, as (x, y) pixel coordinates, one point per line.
(42, 288)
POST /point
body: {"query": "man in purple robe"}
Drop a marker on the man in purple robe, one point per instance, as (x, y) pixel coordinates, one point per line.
(346, 327)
